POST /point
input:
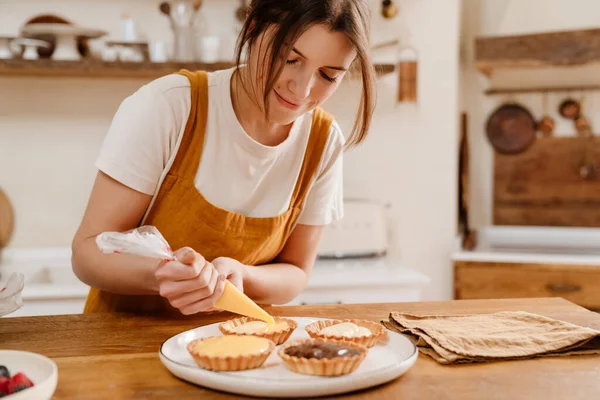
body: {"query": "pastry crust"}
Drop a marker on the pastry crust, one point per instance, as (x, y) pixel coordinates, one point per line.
(278, 336)
(336, 366)
(229, 363)
(377, 331)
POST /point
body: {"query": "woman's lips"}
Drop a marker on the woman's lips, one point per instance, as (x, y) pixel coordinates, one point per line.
(286, 103)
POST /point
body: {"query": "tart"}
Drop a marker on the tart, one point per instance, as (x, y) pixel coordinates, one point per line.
(358, 331)
(322, 357)
(278, 332)
(230, 353)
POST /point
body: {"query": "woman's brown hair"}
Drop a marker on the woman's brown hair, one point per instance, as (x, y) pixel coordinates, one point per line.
(290, 19)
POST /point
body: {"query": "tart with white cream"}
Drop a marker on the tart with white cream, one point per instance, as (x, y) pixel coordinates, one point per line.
(230, 353)
(322, 357)
(278, 332)
(359, 331)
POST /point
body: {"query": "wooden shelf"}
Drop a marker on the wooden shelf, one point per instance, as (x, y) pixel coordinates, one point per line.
(101, 69)
(555, 89)
(553, 49)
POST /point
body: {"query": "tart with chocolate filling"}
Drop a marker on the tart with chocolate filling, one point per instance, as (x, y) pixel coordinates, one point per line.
(230, 353)
(322, 357)
(358, 331)
(278, 332)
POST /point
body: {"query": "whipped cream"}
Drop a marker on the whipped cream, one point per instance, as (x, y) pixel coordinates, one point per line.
(254, 327)
(346, 329)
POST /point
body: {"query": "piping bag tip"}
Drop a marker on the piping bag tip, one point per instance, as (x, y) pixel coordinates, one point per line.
(233, 300)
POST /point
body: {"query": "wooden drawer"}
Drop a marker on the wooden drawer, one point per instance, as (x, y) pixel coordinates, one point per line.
(485, 280)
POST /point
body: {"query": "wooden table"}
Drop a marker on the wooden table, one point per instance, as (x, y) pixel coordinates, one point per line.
(115, 356)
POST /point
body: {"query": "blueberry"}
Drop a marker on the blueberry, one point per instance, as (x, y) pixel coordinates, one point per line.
(21, 387)
(4, 371)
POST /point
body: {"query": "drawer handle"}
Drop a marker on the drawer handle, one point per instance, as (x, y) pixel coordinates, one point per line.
(563, 287)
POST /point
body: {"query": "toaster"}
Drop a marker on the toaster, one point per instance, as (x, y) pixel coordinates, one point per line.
(362, 232)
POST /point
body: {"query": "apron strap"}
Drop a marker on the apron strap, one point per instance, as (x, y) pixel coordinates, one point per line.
(187, 159)
(319, 133)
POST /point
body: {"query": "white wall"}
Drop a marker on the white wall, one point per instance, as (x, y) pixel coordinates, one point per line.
(51, 129)
(511, 17)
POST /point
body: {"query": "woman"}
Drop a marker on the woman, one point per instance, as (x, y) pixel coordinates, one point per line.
(238, 169)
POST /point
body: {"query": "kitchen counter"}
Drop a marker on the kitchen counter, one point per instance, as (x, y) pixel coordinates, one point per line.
(526, 256)
(530, 244)
(115, 356)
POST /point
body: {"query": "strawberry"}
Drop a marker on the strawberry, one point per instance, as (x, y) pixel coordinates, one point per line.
(4, 386)
(19, 382)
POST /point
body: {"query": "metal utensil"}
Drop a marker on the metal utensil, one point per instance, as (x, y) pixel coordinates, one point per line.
(588, 167)
(165, 8)
(182, 16)
(546, 124)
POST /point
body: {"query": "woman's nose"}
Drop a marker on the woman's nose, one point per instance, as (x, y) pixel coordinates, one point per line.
(301, 85)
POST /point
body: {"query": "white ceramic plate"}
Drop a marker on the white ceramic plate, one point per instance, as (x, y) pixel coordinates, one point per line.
(383, 363)
(41, 370)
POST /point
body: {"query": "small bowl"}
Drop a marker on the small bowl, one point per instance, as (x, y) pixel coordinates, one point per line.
(41, 370)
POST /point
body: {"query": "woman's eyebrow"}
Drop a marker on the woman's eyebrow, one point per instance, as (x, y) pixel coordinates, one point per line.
(295, 50)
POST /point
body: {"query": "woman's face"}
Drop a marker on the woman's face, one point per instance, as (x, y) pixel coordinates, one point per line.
(313, 71)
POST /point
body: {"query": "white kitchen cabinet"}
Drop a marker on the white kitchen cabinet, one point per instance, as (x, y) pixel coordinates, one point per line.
(367, 280)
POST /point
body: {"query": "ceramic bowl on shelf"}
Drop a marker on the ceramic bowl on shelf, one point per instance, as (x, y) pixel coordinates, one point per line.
(31, 47)
(7, 50)
(66, 37)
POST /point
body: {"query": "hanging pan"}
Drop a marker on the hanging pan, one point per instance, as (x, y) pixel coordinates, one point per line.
(511, 129)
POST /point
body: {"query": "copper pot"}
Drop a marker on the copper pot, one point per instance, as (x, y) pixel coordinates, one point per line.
(570, 109)
(511, 129)
(546, 126)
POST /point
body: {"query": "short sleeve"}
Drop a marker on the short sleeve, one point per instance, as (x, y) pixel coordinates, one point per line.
(325, 199)
(138, 144)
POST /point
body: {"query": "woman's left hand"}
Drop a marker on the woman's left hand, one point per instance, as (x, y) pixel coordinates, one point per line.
(233, 270)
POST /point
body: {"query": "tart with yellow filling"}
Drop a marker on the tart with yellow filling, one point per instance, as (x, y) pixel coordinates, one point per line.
(322, 357)
(230, 353)
(359, 331)
(277, 332)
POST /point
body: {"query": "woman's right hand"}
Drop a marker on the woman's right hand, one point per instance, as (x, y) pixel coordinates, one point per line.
(190, 284)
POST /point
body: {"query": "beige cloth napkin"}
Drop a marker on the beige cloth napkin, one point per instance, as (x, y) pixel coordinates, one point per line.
(488, 337)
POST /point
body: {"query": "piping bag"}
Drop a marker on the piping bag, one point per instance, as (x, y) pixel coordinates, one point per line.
(148, 241)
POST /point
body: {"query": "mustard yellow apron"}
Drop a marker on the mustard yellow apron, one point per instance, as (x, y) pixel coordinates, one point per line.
(186, 218)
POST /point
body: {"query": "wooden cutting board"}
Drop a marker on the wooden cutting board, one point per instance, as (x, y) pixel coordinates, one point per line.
(542, 186)
(7, 220)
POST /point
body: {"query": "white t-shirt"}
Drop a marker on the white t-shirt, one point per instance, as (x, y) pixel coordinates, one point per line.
(236, 172)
